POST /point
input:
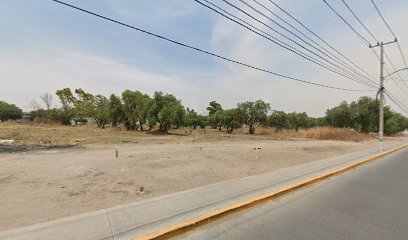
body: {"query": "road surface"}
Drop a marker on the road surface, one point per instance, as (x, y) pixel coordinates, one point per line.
(370, 202)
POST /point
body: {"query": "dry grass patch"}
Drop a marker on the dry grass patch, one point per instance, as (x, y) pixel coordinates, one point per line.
(342, 134)
(57, 135)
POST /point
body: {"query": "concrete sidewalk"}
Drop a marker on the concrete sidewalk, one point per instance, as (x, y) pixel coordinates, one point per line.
(137, 219)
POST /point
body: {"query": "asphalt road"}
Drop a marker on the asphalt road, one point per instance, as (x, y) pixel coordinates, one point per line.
(370, 202)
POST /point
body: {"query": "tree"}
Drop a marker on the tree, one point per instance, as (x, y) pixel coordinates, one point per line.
(9, 111)
(192, 118)
(35, 105)
(214, 107)
(144, 103)
(231, 119)
(202, 121)
(66, 97)
(167, 111)
(215, 120)
(67, 100)
(84, 104)
(253, 113)
(278, 120)
(297, 120)
(115, 110)
(392, 125)
(321, 121)
(129, 110)
(100, 111)
(366, 111)
(47, 99)
(340, 116)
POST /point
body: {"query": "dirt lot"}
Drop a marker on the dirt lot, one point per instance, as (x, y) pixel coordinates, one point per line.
(38, 186)
(44, 182)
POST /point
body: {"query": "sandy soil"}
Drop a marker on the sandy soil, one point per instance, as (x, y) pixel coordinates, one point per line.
(42, 185)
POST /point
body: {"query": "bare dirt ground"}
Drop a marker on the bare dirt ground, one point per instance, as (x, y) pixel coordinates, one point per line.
(46, 184)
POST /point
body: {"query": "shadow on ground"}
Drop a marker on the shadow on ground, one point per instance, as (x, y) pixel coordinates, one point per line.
(15, 148)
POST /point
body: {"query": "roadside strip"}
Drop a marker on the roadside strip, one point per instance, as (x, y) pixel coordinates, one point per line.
(195, 223)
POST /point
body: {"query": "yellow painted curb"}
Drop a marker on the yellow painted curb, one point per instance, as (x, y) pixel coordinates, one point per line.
(195, 223)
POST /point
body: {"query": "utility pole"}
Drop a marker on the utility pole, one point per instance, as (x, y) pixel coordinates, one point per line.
(381, 92)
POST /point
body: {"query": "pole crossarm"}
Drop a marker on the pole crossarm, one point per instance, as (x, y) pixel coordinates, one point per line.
(382, 43)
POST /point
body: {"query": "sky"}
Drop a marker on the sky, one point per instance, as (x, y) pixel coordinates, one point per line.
(45, 46)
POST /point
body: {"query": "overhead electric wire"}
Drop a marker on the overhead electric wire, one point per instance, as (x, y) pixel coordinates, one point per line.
(394, 69)
(364, 41)
(358, 19)
(361, 37)
(383, 19)
(274, 41)
(344, 63)
(397, 102)
(302, 39)
(391, 31)
(320, 38)
(398, 86)
(372, 35)
(198, 49)
(228, 15)
(387, 71)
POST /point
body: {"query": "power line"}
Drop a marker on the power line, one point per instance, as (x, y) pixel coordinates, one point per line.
(383, 19)
(358, 19)
(307, 37)
(330, 56)
(251, 27)
(200, 50)
(274, 40)
(347, 23)
(395, 71)
(397, 102)
(320, 38)
(391, 31)
(389, 60)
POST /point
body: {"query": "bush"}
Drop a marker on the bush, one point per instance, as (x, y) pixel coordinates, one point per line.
(9, 111)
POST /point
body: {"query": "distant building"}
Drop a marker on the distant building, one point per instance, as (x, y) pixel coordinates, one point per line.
(27, 117)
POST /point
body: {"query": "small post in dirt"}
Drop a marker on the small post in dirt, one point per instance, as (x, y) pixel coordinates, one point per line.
(116, 153)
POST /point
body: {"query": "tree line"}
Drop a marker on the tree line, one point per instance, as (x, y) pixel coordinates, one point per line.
(139, 111)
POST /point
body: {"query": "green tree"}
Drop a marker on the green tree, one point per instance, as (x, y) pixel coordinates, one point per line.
(231, 119)
(253, 113)
(321, 122)
(392, 125)
(215, 120)
(115, 109)
(67, 100)
(192, 118)
(214, 107)
(341, 116)
(278, 120)
(100, 111)
(129, 109)
(144, 103)
(366, 111)
(202, 121)
(84, 104)
(9, 111)
(298, 120)
(167, 111)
